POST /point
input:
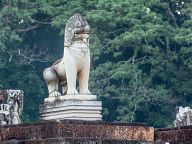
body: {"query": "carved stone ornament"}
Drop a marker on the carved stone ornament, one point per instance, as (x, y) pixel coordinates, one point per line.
(75, 62)
(183, 117)
(11, 106)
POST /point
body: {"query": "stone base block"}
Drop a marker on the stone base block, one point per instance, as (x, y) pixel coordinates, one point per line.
(70, 97)
(69, 107)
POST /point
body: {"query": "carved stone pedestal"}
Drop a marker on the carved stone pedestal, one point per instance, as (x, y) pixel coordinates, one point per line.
(74, 107)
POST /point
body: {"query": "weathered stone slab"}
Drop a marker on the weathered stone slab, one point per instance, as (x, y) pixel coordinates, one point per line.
(49, 109)
(71, 97)
(73, 116)
(68, 103)
(77, 129)
(178, 135)
(74, 141)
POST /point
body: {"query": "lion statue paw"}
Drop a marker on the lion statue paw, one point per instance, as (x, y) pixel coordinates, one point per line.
(72, 92)
(86, 92)
(54, 94)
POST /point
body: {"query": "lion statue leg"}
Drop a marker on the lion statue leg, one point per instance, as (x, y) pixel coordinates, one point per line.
(71, 72)
(84, 78)
(64, 87)
(52, 81)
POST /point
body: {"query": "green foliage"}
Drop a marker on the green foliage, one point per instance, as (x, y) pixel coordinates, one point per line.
(141, 53)
(147, 46)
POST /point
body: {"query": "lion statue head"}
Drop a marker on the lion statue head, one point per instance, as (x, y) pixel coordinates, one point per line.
(77, 24)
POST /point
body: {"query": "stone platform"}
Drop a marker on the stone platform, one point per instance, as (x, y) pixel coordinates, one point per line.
(75, 141)
(92, 132)
(76, 132)
(74, 107)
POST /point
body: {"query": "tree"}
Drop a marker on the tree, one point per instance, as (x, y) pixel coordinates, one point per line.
(142, 66)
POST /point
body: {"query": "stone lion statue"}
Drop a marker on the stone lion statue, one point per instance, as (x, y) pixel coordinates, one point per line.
(75, 62)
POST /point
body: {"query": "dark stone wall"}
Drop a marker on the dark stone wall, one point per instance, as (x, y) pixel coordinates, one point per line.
(178, 135)
(84, 132)
(72, 141)
(77, 130)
